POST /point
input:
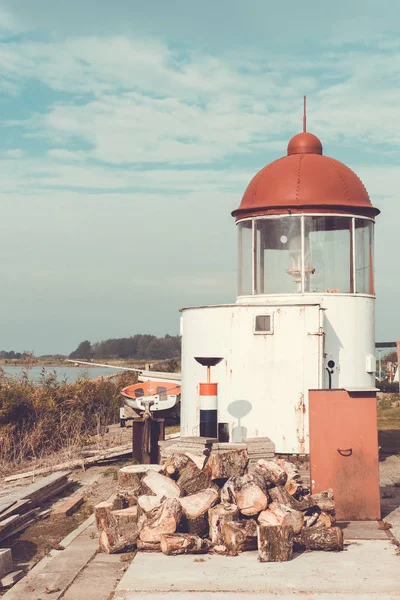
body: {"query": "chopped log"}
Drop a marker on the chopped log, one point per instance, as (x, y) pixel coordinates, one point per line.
(148, 546)
(280, 495)
(103, 515)
(275, 543)
(311, 516)
(149, 503)
(293, 484)
(224, 465)
(239, 537)
(314, 538)
(123, 518)
(112, 543)
(165, 520)
(124, 499)
(219, 549)
(324, 520)
(293, 487)
(192, 480)
(176, 463)
(198, 460)
(324, 501)
(184, 543)
(122, 531)
(228, 490)
(246, 494)
(290, 469)
(217, 517)
(266, 517)
(195, 511)
(159, 485)
(130, 478)
(279, 514)
(271, 471)
(250, 499)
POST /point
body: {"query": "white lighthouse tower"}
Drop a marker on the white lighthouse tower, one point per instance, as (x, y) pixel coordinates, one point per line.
(304, 313)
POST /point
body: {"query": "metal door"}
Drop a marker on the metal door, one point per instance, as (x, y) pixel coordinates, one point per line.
(344, 451)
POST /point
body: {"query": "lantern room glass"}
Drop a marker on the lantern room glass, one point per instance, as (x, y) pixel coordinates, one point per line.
(245, 245)
(364, 243)
(306, 254)
(278, 255)
(328, 255)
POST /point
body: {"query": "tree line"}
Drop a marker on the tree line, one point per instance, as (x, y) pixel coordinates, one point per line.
(13, 355)
(139, 346)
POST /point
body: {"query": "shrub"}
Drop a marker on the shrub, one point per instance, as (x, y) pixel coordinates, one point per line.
(37, 419)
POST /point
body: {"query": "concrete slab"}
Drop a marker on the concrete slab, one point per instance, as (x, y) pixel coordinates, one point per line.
(263, 596)
(57, 573)
(394, 519)
(98, 580)
(390, 492)
(362, 530)
(365, 568)
(6, 562)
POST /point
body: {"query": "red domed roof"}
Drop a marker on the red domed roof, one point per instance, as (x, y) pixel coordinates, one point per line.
(305, 181)
(304, 143)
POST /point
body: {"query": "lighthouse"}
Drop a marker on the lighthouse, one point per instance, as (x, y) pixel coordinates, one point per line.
(304, 313)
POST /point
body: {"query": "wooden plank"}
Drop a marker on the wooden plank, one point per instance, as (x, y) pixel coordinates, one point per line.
(80, 462)
(16, 508)
(45, 470)
(68, 507)
(5, 506)
(6, 522)
(16, 523)
(39, 491)
(11, 578)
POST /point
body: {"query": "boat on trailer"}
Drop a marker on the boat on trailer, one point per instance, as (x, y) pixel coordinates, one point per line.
(163, 397)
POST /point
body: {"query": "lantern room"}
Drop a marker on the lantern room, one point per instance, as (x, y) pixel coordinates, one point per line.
(305, 225)
(304, 313)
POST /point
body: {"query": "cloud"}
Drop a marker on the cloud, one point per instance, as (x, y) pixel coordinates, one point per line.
(14, 153)
(120, 151)
(132, 101)
(9, 24)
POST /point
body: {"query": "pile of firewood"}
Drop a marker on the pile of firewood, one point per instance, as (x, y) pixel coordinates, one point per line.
(185, 507)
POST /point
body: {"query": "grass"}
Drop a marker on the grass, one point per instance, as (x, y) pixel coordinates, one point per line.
(172, 428)
(389, 418)
(389, 429)
(38, 421)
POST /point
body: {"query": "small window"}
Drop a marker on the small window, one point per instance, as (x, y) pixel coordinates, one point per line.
(139, 393)
(263, 324)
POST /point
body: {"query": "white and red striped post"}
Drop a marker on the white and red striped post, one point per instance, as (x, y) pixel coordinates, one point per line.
(209, 410)
(208, 401)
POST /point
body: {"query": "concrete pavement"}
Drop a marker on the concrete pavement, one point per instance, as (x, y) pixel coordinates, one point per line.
(366, 569)
(390, 492)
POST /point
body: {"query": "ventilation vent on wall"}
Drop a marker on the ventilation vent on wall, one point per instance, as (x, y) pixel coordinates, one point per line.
(263, 324)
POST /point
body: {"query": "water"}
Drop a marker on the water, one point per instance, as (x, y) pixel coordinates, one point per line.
(68, 374)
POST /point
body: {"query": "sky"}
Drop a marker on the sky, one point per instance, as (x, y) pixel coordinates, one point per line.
(130, 130)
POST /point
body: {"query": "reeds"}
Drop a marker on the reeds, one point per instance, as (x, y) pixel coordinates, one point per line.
(52, 417)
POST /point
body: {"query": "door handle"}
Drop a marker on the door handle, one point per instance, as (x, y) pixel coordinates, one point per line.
(347, 452)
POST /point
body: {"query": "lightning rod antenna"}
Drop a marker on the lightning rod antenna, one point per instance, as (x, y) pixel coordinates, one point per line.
(305, 115)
